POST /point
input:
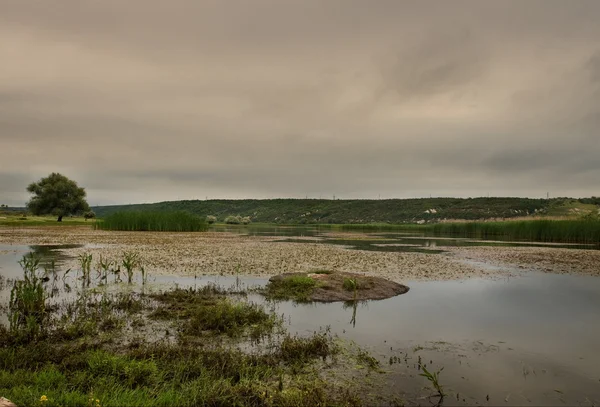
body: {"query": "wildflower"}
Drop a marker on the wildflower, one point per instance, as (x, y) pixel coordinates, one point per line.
(43, 399)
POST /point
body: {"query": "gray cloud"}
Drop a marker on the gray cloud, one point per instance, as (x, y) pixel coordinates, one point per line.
(142, 100)
(594, 67)
(446, 62)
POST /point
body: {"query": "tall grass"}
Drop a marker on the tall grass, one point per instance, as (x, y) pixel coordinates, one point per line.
(566, 231)
(27, 306)
(180, 221)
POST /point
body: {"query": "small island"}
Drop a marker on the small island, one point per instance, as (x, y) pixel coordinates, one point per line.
(330, 286)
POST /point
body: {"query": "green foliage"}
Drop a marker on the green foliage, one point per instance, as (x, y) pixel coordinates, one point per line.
(227, 317)
(354, 211)
(299, 349)
(350, 284)
(434, 379)
(210, 219)
(27, 306)
(133, 373)
(105, 267)
(88, 356)
(130, 261)
(89, 215)
(594, 200)
(56, 195)
(153, 221)
(238, 220)
(85, 261)
(233, 220)
(297, 288)
(16, 220)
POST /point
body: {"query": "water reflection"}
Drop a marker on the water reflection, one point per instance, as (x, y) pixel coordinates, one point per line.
(377, 240)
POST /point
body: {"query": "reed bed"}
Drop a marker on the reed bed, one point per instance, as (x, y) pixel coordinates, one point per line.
(563, 231)
(180, 221)
(536, 230)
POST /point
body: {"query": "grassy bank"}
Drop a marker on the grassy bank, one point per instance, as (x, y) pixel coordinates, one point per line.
(24, 220)
(153, 221)
(180, 347)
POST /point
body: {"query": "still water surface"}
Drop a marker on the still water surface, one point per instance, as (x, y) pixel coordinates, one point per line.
(527, 340)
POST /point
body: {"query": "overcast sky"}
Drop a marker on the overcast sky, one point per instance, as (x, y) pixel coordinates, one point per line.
(153, 100)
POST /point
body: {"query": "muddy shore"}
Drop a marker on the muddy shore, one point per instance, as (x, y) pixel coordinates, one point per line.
(220, 253)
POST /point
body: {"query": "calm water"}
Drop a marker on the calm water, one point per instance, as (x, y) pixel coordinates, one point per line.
(384, 241)
(527, 340)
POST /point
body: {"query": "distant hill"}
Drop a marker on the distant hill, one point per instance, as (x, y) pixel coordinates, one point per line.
(360, 211)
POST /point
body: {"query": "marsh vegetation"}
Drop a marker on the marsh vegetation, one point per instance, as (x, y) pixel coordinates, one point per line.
(68, 344)
(135, 221)
(563, 231)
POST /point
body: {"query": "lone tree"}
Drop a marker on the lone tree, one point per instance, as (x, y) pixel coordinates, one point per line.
(56, 195)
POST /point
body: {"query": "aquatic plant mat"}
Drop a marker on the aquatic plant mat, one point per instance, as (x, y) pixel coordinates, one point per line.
(107, 345)
(329, 286)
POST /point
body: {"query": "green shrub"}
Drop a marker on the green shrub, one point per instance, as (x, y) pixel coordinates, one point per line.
(233, 220)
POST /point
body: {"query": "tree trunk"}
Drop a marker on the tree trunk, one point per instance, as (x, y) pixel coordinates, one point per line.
(60, 218)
